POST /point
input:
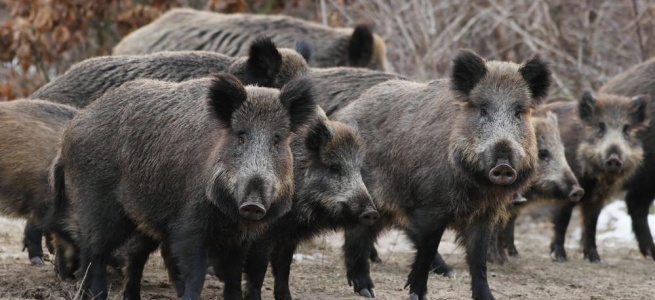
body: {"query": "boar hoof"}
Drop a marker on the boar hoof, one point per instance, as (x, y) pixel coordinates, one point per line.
(592, 256)
(513, 252)
(414, 296)
(366, 293)
(37, 260)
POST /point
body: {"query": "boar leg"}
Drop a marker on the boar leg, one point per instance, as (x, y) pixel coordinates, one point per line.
(172, 268)
(439, 266)
(139, 251)
(590, 212)
(189, 249)
(507, 237)
(357, 249)
(32, 241)
(495, 253)
(561, 220)
(281, 260)
(426, 240)
(638, 206)
(255, 268)
(231, 263)
(476, 240)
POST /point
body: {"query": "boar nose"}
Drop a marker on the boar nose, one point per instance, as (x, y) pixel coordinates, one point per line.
(502, 174)
(369, 217)
(576, 194)
(252, 211)
(613, 163)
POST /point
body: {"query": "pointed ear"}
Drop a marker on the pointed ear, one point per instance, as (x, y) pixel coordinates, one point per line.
(264, 62)
(298, 98)
(536, 73)
(586, 107)
(304, 48)
(638, 112)
(551, 118)
(225, 95)
(468, 70)
(360, 46)
(317, 136)
(320, 114)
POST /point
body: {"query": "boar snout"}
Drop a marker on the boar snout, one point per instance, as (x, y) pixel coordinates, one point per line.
(613, 163)
(252, 211)
(576, 194)
(502, 173)
(369, 217)
(256, 198)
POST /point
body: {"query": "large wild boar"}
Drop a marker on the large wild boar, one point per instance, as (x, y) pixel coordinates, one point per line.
(449, 153)
(330, 195)
(264, 65)
(188, 29)
(601, 145)
(30, 134)
(554, 181)
(202, 166)
(640, 80)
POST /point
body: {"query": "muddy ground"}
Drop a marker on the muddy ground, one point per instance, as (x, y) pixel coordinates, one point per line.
(318, 271)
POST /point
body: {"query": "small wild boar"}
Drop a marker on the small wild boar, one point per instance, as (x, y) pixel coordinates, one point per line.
(330, 195)
(188, 29)
(30, 134)
(640, 80)
(554, 181)
(447, 154)
(264, 65)
(202, 166)
(601, 145)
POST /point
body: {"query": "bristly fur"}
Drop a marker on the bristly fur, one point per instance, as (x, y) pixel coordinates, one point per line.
(298, 98)
(360, 46)
(304, 48)
(264, 60)
(639, 108)
(225, 95)
(468, 69)
(586, 106)
(536, 73)
(317, 135)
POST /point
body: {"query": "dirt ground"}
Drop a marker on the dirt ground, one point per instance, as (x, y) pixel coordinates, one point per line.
(318, 271)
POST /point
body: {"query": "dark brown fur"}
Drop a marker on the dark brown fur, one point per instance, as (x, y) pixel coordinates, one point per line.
(429, 152)
(593, 130)
(175, 162)
(30, 135)
(262, 64)
(187, 29)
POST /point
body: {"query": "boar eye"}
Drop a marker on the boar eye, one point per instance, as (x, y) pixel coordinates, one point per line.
(626, 129)
(483, 112)
(242, 138)
(544, 155)
(518, 114)
(601, 128)
(276, 140)
(336, 169)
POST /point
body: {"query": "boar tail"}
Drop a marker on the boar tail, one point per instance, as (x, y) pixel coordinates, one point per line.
(58, 185)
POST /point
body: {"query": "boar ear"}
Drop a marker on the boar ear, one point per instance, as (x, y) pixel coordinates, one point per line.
(551, 118)
(264, 62)
(360, 46)
(587, 106)
(298, 98)
(638, 114)
(317, 135)
(536, 73)
(226, 94)
(468, 69)
(320, 114)
(304, 48)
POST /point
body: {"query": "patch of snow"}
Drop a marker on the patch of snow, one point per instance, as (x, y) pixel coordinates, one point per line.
(615, 225)
(300, 257)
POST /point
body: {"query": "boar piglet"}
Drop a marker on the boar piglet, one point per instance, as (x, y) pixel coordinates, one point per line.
(329, 195)
(263, 65)
(449, 153)
(30, 134)
(600, 138)
(640, 80)
(201, 166)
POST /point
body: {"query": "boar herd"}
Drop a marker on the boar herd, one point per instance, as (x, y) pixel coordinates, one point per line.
(204, 137)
